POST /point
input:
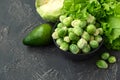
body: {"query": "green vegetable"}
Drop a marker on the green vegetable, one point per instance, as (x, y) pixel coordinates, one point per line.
(91, 29)
(102, 64)
(39, 36)
(55, 35)
(100, 31)
(67, 39)
(67, 21)
(112, 32)
(73, 36)
(70, 30)
(86, 36)
(60, 25)
(76, 23)
(49, 10)
(56, 30)
(74, 49)
(107, 13)
(112, 59)
(105, 56)
(97, 32)
(64, 46)
(94, 44)
(86, 49)
(92, 38)
(78, 31)
(83, 24)
(82, 43)
(62, 17)
(59, 41)
(102, 11)
(91, 19)
(62, 32)
(102, 8)
(75, 8)
(98, 38)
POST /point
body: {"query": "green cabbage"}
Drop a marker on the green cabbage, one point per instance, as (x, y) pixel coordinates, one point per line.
(49, 10)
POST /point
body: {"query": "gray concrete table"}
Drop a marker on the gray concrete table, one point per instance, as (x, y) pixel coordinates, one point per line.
(18, 62)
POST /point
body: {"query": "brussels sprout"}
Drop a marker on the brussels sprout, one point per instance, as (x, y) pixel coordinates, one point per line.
(67, 39)
(86, 36)
(59, 41)
(78, 31)
(98, 38)
(86, 49)
(74, 49)
(67, 21)
(112, 59)
(91, 19)
(105, 56)
(55, 35)
(73, 36)
(60, 25)
(49, 10)
(83, 24)
(100, 31)
(76, 23)
(81, 43)
(64, 46)
(96, 32)
(94, 44)
(92, 38)
(62, 17)
(91, 29)
(70, 30)
(102, 64)
(62, 32)
(57, 29)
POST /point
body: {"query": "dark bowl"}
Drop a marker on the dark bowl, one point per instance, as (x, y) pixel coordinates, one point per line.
(80, 56)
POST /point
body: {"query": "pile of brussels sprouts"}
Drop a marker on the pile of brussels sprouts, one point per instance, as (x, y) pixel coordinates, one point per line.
(105, 60)
(77, 35)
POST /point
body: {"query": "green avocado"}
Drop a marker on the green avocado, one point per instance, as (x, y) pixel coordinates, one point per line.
(39, 36)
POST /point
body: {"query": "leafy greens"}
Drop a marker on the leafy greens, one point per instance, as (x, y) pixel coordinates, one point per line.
(106, 12)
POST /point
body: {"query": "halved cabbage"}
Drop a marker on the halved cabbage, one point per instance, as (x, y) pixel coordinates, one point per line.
(49, 10)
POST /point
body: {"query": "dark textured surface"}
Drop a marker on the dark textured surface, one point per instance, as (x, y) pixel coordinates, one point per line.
(18, 62)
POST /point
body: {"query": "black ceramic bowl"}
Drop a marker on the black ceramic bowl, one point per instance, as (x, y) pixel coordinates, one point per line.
(80, 56)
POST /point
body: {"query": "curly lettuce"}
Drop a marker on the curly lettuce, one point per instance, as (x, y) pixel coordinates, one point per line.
(112, 32)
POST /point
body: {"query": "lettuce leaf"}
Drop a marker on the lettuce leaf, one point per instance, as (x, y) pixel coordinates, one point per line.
(75, 8)
(103, 8)
(112, 32)
(115, 44)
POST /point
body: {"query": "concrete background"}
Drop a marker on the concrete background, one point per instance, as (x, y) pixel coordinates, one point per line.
(18, 62)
